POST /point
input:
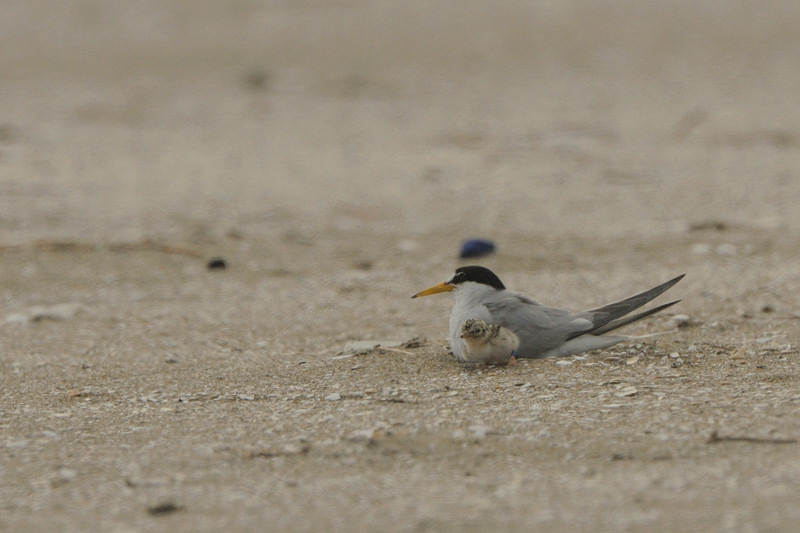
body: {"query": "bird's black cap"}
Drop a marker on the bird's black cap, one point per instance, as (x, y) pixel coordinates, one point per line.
(477, 274)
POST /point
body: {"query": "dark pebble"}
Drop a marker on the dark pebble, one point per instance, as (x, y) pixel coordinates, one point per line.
(163, 508)
(476, 248)
(217, 263)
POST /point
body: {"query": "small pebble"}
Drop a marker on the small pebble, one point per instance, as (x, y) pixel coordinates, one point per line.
(629, 390)
(681, 321)
(335, 397)
(216, 263)
(295, 449)
(715, 225)
(66, 474)
(479, 431)
(362, 434)
(163, 508)
(54, 312)
(135, 481)
(476, 248)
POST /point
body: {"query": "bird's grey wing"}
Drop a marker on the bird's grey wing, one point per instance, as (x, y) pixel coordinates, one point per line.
(610, 315)
(540, 328)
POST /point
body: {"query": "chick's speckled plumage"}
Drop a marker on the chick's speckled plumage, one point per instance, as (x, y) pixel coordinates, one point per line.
(487, 343)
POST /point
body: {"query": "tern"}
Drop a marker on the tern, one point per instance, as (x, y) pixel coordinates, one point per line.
(488, 343)
(542, 331)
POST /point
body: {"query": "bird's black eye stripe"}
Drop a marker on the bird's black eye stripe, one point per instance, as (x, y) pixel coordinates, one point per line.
(459, 277)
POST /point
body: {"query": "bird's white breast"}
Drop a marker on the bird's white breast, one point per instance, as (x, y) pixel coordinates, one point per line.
(468, 297)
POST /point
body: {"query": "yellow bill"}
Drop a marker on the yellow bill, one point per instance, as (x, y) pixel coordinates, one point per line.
(442, 287)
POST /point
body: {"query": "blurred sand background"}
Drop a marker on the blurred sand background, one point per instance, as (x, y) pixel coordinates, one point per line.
(335, 154)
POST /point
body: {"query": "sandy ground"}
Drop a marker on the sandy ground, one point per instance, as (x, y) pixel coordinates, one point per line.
(335, 154)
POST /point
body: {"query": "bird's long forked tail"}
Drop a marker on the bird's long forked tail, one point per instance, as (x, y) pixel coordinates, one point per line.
(624, 321)
(612, 316)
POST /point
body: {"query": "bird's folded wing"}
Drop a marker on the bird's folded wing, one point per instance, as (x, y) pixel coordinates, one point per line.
(533, 322)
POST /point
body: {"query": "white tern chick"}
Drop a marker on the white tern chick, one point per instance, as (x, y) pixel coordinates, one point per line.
(488, 343)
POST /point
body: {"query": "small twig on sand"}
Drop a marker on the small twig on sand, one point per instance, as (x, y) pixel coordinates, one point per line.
(715, 438)
(379, 347)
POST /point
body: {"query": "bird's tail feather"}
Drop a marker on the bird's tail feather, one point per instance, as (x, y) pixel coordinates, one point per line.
(624, 321)
(611, 316)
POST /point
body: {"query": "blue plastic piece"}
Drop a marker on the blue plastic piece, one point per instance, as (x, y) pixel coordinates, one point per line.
(476, 248)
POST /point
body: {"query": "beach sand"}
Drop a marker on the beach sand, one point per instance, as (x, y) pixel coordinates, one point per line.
(335, 155)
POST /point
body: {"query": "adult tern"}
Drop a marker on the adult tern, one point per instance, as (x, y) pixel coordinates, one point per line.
(543, 331)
